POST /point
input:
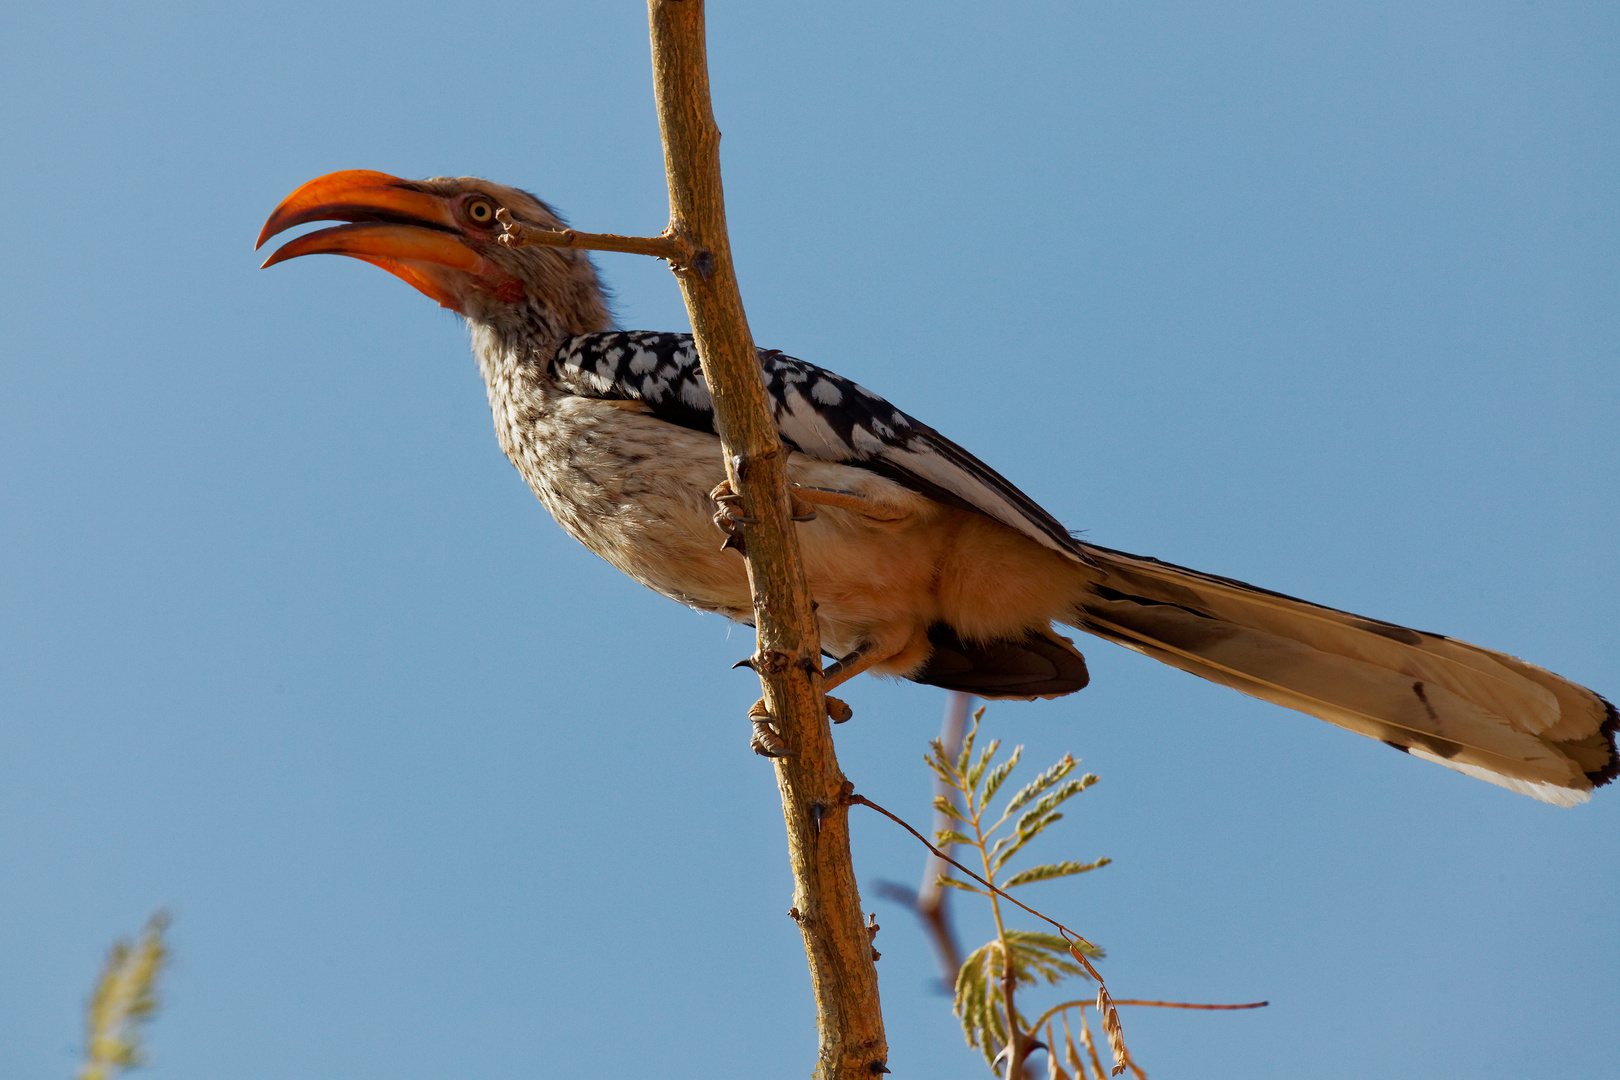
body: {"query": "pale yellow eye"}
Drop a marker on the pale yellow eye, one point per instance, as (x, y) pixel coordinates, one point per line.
(480, 211)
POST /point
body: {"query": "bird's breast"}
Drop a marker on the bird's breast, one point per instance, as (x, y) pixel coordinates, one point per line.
(634, 490)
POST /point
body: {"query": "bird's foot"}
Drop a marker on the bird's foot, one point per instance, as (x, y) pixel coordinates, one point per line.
(837, 710)
(766, 740)
(729, 521)
(726, 517)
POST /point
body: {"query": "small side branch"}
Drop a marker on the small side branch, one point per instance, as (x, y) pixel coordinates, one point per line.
(1087, 1004)
(932, 903)
(1074, 938)
(674, 249)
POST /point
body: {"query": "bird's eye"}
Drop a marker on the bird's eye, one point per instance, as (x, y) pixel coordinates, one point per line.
(480, 211)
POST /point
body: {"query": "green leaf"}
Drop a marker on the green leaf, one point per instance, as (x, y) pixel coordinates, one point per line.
(945, 806)
(1023, 837)
(1042, 782)
(945, 879)
(1057, 798)
(1050, 871)
(978, 985)
(947, 837)
(998, 775)
(1044, 955)
(969, 996)
(966, 753)
(977, 771)
(1037, 819)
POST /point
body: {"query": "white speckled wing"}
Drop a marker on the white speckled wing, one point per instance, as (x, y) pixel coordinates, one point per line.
(818, 413)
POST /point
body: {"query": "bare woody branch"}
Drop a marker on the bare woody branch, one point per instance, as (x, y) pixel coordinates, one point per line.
(675, 249)
(826, 900)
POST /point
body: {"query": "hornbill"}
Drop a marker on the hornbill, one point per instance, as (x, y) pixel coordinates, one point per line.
(923, 561)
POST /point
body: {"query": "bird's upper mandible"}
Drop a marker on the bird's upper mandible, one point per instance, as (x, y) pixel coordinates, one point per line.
(440, 237)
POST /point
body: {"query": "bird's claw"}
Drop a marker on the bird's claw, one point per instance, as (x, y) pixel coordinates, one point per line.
(838, 710)
(729, 521)
(766, 740)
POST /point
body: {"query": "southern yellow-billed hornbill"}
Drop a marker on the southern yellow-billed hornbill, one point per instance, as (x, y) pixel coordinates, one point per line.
(924, 562)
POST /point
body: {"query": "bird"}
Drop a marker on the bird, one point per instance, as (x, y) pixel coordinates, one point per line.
(923, 562)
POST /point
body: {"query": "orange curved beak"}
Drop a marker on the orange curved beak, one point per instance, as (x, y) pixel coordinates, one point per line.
(410, 233)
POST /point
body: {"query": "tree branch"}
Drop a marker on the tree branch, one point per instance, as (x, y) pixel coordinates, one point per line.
(826, 898)
(676, 250)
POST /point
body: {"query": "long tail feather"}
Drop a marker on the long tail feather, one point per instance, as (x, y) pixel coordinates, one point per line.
(1480, 712)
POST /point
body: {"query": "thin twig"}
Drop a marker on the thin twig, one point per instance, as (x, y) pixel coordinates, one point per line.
(675, 249)
(1191, 1005)
(933, 905)
(1064, 930)
(930, 902)
(1090, 1004)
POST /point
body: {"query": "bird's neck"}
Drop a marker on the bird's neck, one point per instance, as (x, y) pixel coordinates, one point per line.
(515, 376)
(515, 342)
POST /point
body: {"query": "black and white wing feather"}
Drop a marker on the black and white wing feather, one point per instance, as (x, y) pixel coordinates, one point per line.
(818, 413)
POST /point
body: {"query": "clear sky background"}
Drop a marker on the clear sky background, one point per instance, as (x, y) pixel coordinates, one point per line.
(1323, 297)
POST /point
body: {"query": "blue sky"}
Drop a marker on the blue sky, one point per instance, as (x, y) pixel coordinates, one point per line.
(1322, 298)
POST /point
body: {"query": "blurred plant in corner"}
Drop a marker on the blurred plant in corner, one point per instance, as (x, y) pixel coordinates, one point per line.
(125, 999)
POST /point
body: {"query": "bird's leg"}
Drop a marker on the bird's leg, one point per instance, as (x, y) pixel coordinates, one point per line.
(847, 667)
(843, 500)
(833, 674)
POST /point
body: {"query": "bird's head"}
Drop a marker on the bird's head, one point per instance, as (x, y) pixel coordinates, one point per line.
(439, 236)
